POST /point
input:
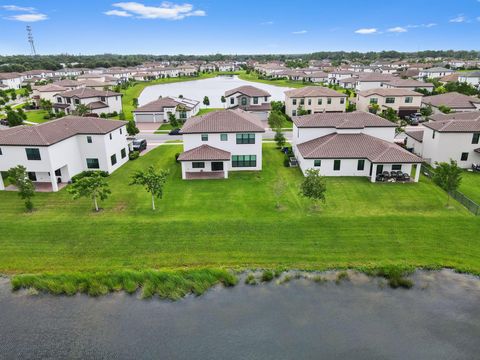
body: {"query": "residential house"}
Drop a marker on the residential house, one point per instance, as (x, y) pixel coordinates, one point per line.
(372, 81)
(69, 84)
(219, 142)
(55, 151)
(97, 101)
(471, 78)
(335, 76)
(47, 92)
(11, 80)
(435, 72)
(314, 99)
(159, 110)
(455, 101)
(403, 101)
(350, 144)
(408, 84)
(250, 99)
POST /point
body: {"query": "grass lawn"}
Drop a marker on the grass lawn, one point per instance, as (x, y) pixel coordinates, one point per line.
(470, 185)
(233, 223)
(284, 83)
(36, 116)
(207, 110)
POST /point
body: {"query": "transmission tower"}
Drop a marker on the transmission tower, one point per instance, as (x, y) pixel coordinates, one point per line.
(30, 40)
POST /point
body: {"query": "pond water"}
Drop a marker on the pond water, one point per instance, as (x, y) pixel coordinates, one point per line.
(437, 319)
(214, 88)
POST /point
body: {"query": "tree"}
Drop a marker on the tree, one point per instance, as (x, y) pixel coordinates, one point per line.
(46, 105)
(206, 101)
(132, 129)
(445, 109)
(448, 176)
(275, 120)
(173, 120)
(390, 115)
(26, 190)
(93, 186)
(14, 95)
(301, 111)
(278, 106)
(223, 100)
(81, 110)
(280, 138)
(14, 118)
(351, 107)
(152, 181)
(135, 102)
(313, 186)
(426, 111)
(373, 108)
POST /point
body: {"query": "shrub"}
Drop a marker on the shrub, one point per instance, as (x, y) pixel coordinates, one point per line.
(134, 155)
(343, 275)
(87, 173)
(46, 117)
(267, 276)
(251, 280)
(176, 157)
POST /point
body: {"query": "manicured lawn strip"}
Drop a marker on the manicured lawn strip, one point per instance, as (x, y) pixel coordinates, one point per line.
(36, 116)
(207, 110)
(166, 126)
(234, 224)
(281, 82)
(470, 185)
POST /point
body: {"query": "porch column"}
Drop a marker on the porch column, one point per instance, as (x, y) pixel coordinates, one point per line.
(53, 180)
(2, 185)
(184, 175)
(373, 177)
(418, 169)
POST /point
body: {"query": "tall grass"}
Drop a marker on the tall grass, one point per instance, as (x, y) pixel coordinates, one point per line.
(171, 285)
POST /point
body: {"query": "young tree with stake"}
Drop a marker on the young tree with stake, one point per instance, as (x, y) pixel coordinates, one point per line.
(26, 190)
(314, 187)
(152, 181)
(94, 187)
(448, 176)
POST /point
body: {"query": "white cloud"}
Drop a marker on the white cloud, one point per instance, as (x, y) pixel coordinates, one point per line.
(299, 32)
(428, 25)
(166, 10)
(397, 29)
(120, 13)
(458, 19)
(267, 23)
(28, 17)
(17, 8)
(366, 31)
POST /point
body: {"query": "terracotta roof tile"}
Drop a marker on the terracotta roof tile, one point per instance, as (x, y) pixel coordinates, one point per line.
(453, 100)
(247, 90)
(313, 91)
(356, 119)
(223, 121)
(204, 153)
(416, 135)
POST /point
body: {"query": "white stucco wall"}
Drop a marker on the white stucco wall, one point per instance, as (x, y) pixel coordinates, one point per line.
(311, 103)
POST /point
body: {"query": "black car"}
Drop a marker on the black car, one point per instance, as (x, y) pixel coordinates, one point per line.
(139, 145)
(174, 132)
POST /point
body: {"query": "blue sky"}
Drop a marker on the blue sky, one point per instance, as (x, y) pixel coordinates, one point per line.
(238, 27)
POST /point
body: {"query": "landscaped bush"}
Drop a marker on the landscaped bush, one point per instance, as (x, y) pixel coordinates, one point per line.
(134, 155)
(267, 276)
(88, 173)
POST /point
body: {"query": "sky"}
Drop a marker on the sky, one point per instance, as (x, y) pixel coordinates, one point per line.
(237, 27)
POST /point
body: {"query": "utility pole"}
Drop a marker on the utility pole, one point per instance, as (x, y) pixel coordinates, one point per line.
(33, 52)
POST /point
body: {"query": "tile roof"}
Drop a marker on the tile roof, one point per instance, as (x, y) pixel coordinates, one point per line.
(54, 131)
(454, 125)
(463, 115)
(247, 90)
(204, 152)
(97, 105)
(168, 102)
(313, 91)
(453, 100)
(415, 134)
(86, 92)
(68, 83)
(356, 146)
(347, 120)
(223, 121)
(389, 92)
(408, 83)
(50, 88)
(375, 77)
(261, 107)
(8, 76)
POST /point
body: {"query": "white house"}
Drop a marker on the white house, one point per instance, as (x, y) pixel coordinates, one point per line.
(403, 101)
(335, 76)
(408, 84)
(11, 80)
(97, 101)
(371, 81)
(160, 109)
(55, 151)
(47, 92)
(448, 137)
(471, 78)
(219, 142)
(350, 144)
(455, 101)
(435, 72)
(250, 99)
(314, 99)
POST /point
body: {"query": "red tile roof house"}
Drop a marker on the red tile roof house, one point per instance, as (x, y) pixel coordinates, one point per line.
(455, 101)
(160, 109)
(219, 142)
(55, 151)
(251, 99)
(350, 144)
(97, 101)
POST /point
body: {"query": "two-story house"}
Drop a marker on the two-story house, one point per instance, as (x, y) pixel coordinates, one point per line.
(403, 101)
(455, 101)
(47, 92)
(408, 84)
(350, 144)
(250, 99)
(159, 110)
(314, 99)
(55, 151)
(219, 142)
(11, 80)
(97, 101)
(435, 72)
(471, 78)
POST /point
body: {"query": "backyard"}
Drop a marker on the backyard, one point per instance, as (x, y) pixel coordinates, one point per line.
(234, 224)
(470, 185)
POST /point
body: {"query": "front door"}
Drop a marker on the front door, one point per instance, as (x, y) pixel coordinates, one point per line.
(379, 169)
(217, 166)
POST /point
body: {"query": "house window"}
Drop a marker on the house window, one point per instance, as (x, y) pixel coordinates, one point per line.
(93, 164)
(373, 101)
(329, 100)
(113, 159)
(336, 165)
(204, 137)
(342, 100)
(409, 99)
(302, 101)
(183, 114)
(319, 101)
(33, 154)
(77, 101)
(69, 101)
(244, 160)
(265, 98)
(123, 153)
(1, 151)
(255, 100)
(294, 101)
(389, 100)
(110, 136)
(475, 138)
(397, 167)
(89, 139)
(309, 101)
(464, 156)
(59, 99)
(223, 137)
(102, 98)
(198, 165)
(245, 138)
(294, 112)
(232, 101)
(317, 163)
(433, 134)
(244, 101)
(120, 131)
(361, 165)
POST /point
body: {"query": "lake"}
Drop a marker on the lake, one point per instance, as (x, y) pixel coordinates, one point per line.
(439, 318)
(214, 88)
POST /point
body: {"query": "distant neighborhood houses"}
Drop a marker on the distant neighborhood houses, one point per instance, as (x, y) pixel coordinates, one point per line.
(159, 110)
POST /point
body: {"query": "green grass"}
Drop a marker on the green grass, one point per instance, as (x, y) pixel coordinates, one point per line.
(36, 116)
(166, 126)
(470, 185)
(207, 110)
(281, 82)
(234, 224)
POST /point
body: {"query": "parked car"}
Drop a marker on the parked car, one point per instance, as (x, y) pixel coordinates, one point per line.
(415, 119)
(4, 122)
(174, 132)
(139, 144)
